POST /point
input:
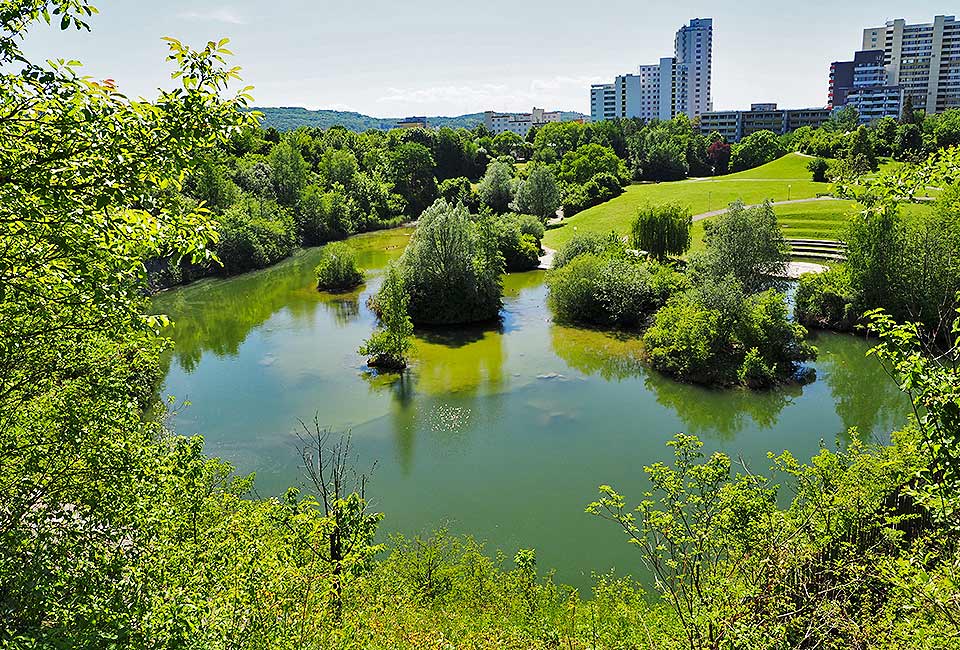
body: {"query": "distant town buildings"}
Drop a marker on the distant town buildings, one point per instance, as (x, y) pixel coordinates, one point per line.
(519, 123)
(678, 84)
(736, 125)
(412, 123)
(897, 61)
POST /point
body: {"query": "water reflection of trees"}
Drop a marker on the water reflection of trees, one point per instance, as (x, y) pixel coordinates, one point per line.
(721, 413)
(864, 395)
(218, 315)
(452, 370)
(611, 355)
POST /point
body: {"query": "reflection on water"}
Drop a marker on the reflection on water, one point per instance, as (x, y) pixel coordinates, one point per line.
(503, 431)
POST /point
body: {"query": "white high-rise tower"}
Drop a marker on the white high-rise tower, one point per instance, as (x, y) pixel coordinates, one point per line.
(694, 50)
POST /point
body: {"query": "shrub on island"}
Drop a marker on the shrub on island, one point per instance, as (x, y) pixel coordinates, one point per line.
(337, 269)
(452, 268)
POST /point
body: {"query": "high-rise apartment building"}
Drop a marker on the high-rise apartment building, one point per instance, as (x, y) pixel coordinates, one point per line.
(922, 59)
(693, 48)
(678, 84)
(863, 84)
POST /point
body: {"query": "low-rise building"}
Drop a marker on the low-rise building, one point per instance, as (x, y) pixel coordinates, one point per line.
(519, 123)
(736, 125)
(412, 123)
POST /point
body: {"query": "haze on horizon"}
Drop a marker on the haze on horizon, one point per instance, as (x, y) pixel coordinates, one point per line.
(387, 60)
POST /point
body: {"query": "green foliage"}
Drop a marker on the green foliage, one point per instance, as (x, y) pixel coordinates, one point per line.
(452, 268)
(819, 168)
(613, 290)
(458, 190)
(388, 346)
(538, 194)
(584, 163)
(827, 300)
(410, 168)
(599, 189)
(289, 172)
(745, 243)
(324, 216)
(662, 230)
(254, 234)
(496, 188)
(518, 240)
(714, 336)
(756, 149)
(337, 269)
(582, 244)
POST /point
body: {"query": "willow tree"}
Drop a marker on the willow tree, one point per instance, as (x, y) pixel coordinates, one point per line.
(662, 230)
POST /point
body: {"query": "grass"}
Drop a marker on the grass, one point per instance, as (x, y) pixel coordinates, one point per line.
(784, 178)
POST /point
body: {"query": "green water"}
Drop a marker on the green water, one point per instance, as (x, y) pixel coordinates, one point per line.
(501, 432)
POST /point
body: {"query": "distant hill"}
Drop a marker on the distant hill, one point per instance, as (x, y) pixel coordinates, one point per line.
(290, 118)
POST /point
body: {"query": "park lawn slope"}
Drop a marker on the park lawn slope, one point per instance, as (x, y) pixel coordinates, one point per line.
(780, 180)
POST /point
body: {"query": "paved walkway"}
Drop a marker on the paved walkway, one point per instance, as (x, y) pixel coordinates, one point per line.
(796, 269)
(717, 213)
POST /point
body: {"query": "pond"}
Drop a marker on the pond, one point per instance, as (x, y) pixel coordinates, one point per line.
(500, 432)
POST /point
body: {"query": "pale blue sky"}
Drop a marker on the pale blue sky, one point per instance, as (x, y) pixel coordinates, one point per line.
(436, 57)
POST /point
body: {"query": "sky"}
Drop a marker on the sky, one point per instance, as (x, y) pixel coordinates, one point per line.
(441, 57)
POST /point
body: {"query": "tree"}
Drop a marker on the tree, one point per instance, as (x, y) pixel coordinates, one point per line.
(411, 170)
(91, 190)
(338, 167)
(745, 243)
(336, 269)
(388, 346)
(662, 230)
(582, 164)
(509, 143)
(452, 268)
(289, 172)
(496, 187)
(756, 149)
(819, 168)
(860, 154)
(718, 155)
(908, 114)
(538, 195)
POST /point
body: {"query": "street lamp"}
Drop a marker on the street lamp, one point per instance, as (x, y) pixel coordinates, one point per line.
(789, 191)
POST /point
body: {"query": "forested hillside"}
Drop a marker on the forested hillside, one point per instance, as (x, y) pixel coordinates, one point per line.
(288, 118)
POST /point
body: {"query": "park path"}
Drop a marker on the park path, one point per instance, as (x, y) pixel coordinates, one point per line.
(717, 213)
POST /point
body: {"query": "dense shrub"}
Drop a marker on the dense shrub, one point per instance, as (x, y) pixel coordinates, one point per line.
(827, 300)
(583, 243)
(518, 240)
(611, 290)
(459, 190)
(337, 269)
(662, 230)
(818, 168)
(387, 347)
(255, 234)
(757, 345)
(599, 189)
(452, 268)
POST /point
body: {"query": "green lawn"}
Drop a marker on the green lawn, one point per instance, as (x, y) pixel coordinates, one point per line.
(782, 179)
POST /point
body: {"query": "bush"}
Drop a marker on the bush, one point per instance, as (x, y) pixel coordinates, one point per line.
(518, 240)
(337, 269)
(599, 189)
(819, 168)
(662, 230)
(611, 290)
(758, 346)
(827, 300)
(387, 347)
(582, 244)
(254, 234)
(452, 268)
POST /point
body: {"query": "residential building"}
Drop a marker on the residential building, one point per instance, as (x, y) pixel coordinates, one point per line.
(863, 84)
(519, 123)
(693, 48)
(677, 84)
(736, 125)
(412, 123)
(922, 59)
